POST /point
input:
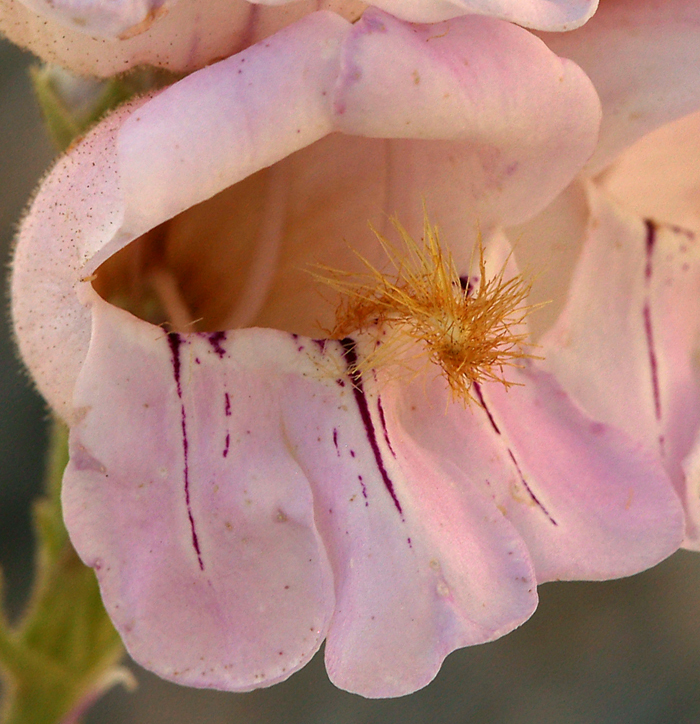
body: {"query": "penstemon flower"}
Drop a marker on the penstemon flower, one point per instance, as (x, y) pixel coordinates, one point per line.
(245, 488)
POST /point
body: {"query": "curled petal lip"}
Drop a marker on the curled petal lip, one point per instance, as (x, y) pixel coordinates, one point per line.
(378, 78)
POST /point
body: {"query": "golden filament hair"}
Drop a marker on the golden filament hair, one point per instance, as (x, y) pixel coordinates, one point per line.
(472, 332)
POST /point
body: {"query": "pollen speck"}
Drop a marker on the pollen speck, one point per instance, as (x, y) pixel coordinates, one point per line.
(469, 326)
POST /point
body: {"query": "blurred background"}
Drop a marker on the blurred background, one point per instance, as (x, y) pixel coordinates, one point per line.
(624, 651)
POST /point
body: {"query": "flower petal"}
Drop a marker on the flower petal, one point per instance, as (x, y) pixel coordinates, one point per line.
(625, 345)
(424, 562)
(590, 503)
(548, 246)
(229, 120)
(643, 57)
(76, 208)
(515, 155)
(514, 111)
(540, 14)
(659, 176)
(79, 220)
(101, 19)
(184, 35)
(183, 493)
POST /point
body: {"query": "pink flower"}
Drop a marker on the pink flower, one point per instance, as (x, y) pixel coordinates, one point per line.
(104, 37)
(245, 494)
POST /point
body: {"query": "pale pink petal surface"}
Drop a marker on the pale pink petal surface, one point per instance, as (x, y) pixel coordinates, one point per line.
(591, 503)
(183, 36)
(453, 81)
(222, 543)
(587, 500)
(424, 562)
(102, 19)
(630, 359)
(643, 57)
(206, 551)
(659, 176)
(101, 38)
(559, 15)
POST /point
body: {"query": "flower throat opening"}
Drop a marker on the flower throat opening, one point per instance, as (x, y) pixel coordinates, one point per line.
(214, 268)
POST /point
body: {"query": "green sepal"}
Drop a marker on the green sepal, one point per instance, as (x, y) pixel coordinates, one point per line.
(70, 104)
(64, 651)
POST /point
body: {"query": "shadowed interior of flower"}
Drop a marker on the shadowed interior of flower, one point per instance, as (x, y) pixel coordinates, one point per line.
(239, 259)
(189, 273)
(470, 326)
(211, 269)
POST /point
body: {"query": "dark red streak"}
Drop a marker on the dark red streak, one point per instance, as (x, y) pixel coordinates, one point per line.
(175, 341)
(350, 355)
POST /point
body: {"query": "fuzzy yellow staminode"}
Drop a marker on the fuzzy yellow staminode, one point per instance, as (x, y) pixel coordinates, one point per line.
(471, 332)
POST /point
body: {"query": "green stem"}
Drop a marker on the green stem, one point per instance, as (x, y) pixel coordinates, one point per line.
(64, 651)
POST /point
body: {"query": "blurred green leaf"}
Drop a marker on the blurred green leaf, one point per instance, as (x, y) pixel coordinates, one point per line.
(71, 104)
